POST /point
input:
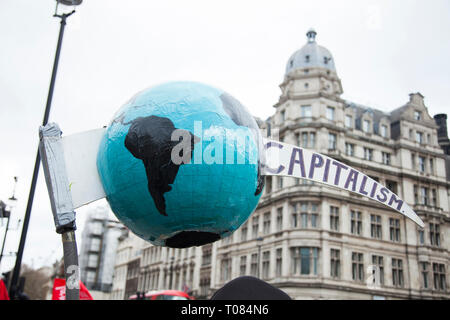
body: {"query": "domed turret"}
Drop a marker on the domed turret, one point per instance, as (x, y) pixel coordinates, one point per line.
(311, 55)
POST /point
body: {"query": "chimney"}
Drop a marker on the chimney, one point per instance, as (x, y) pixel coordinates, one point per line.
(417, 99)
(441, 121)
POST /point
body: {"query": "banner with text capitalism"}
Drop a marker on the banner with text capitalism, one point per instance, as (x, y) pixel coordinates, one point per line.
(288, 160)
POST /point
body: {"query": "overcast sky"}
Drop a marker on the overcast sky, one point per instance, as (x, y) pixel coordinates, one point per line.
(383, 50)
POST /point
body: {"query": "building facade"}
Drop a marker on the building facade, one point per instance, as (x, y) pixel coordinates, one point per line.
(317, 242)
(123, 255)
(163, 268)
(100, 239)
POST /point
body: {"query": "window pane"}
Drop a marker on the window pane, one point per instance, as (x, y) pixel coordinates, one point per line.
(330, 113)
(314, 220)
(384, 131)
(315, 260)
(306, 111)
(366, 125)
(419, 137)
(348, 121)
(331, 141)
(312, 140)
(305, 260)
(417, 115)
(304, 217)
(304, 139)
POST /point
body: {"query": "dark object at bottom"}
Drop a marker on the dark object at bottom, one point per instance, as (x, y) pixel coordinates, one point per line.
(186, 239)
(249, 288)
(22, 296)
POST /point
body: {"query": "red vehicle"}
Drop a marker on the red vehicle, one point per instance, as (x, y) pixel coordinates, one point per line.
(164, 295)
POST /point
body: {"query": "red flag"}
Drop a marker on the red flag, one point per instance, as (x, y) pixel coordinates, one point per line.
(59, 290)
(3, 292)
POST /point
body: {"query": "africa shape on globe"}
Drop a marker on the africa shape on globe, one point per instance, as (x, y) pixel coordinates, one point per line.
(200, 199)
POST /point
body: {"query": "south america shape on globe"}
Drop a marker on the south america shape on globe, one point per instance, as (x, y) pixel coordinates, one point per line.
(149, 139)
(187, 204)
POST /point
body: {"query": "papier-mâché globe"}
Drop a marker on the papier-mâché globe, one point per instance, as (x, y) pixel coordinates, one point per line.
(180, 164)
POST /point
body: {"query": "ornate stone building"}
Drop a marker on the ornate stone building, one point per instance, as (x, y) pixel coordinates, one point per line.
(100, 239)
(318, 242)
(127, 266)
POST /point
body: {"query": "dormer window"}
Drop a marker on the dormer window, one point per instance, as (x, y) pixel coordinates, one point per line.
(417, 115)
(384, 131)
(366, 126)
(291, 63)
(307, 58)
(348, 121)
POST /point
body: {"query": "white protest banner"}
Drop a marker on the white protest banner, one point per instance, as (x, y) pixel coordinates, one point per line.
(288, 160)
(80, 157)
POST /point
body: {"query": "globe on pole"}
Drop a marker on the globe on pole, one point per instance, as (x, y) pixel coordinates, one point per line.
(180, 164)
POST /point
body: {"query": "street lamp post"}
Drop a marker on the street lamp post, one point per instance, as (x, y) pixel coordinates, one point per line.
(13, 197)
(4, 214)
(23, 236)
(7, 214)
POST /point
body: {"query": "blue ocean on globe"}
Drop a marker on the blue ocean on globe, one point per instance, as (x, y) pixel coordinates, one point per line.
(192, 203)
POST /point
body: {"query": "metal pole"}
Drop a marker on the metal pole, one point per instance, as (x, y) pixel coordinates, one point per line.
(16, 272)
(4, 238)
(71, 269)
